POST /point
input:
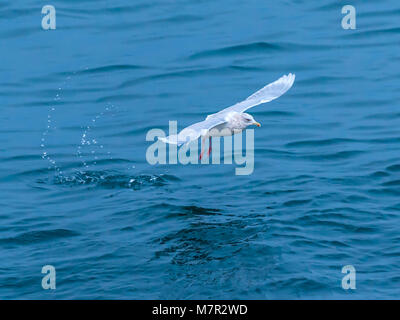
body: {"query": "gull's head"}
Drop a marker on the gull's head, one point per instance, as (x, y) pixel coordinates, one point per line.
(248, 120)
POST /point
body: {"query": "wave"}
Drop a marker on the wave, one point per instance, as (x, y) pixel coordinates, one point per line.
(39, 236)
(237, 49)
(318, 143)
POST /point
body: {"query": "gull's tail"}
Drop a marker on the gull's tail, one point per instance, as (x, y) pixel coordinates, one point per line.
(172, 139)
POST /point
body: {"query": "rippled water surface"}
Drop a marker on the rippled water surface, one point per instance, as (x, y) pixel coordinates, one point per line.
(76, 191)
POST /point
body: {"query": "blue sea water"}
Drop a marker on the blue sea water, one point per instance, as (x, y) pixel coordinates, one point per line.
(77, 193)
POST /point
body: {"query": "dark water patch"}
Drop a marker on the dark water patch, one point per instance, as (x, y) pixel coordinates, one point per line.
(274, 152)
(110, 68)
(341, 155)
(202, 243)
(318, 143)
(42, 103)
(392, 255)
(328, 196)
(257, 47)
(394, 168)
(378, 13)
(39, 236)
(100, 70)
(356, 199)
(383, 116)
(276, 114)
(384, 192)
(372, 33)
(279, 192)
(327, 213)
(181, 18)
(367, 127)
(385, 140)
(129, 8)
(200, 210)
(247, 68)
(292, 47)
(332, 256)
(171, 211)
(391, 183)
(336, 224)
(334, 243)
(295, 203)
(21, 158)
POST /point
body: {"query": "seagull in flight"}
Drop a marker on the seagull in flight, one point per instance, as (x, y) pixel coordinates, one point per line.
(233, 119)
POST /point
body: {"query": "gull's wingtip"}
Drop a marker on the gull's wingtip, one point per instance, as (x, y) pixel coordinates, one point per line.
(290, 78)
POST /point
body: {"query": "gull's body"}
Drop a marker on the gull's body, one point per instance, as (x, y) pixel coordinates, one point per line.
(233, 119)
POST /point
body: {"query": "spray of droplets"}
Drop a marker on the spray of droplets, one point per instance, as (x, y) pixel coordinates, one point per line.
(50, 125)
(85, 140)
(92, 144)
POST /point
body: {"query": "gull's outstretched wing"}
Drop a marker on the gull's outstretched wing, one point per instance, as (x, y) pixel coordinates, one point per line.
(194, 131)
(268, 93)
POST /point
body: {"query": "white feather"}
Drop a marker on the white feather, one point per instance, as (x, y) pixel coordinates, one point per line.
(268, 93)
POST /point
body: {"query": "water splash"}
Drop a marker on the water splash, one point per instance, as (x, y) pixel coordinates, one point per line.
(112, 180)
(51, 126)
(87, 140)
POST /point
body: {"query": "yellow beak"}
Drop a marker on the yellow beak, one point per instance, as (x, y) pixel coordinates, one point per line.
(257, 124)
